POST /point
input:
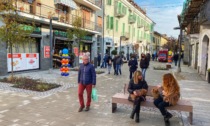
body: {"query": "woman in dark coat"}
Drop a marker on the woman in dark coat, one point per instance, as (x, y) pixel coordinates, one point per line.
(144, 63)
(136, 84)
(133, 65)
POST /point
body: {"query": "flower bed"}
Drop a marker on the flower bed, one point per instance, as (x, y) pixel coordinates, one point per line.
(29, 84)
(160, 68)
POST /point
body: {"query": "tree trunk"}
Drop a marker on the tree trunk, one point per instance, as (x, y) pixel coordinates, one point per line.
(12, 73)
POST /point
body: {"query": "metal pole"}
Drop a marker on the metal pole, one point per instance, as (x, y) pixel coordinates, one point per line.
(51, 48)
(120, 45)
(180, 40)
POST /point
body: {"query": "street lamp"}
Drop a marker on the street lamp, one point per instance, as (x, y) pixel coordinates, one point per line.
(180, 40)
(51, 48)
(121, 37)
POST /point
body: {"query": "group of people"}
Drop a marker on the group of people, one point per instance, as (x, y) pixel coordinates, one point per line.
(169, 90)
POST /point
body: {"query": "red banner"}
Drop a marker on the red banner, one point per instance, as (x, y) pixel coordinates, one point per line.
(46, 51)
(17, 55)
(76, 51)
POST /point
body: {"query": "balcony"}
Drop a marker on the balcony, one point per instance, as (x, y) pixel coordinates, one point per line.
(131, 19)
(119, 11)
(44, 11)
(126, 34)
(140, 25)
(139, 40)
(146, 28)
(92, 4)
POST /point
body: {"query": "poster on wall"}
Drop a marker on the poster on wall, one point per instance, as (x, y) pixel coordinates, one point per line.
(23, 61)
(76, 51)
(46, 51)
(80, 57)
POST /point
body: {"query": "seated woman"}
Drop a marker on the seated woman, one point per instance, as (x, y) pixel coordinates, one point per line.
(135, 88)
(169, 96)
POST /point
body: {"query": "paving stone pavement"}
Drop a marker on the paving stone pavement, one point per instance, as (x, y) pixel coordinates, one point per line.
(60, 107)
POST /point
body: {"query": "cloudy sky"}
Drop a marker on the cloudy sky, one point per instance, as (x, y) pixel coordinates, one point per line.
(164, 14)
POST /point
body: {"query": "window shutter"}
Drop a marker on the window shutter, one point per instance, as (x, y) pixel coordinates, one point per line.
(111, 23)
(107, 22)
(116, 25)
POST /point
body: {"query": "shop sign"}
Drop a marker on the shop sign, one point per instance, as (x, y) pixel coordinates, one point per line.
(60, 33)
(46, 51)
(87, 38)
(22, 61)
(76, 51)
(37, 30)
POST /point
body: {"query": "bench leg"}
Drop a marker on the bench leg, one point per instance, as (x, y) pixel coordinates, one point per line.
(114, 107)
(190, 118)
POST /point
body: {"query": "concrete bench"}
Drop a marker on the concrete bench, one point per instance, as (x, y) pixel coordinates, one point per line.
(122, 98)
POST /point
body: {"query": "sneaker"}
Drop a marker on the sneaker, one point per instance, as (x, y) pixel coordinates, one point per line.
(87, 108)
(80, 109)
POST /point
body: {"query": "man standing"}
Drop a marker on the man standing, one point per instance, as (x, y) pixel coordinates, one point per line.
(175, 58)
(86, 80)
(99, 59)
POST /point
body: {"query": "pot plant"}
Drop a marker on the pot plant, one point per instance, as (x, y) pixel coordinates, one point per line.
(22, 8)
(62, 18)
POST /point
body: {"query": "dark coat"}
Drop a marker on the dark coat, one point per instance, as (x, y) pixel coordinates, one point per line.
(109, 58)
(144, 63)
(87, 74)
(99, 57)
(141, 85)
(119, 61)
(175, 57)
(133, 64)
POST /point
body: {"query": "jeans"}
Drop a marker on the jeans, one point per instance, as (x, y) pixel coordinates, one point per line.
(160, 104)
(131, 74)
(103, 65)
(143, 70)
(118, 68)
(99, 62)
(175, 61)
(81, 89)
(109, 68)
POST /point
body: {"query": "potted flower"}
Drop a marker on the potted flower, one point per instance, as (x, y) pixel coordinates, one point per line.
(62, 18)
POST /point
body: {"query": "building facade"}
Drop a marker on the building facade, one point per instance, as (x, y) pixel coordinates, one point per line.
(156, 42)
(196, 21)
(40, 12)
(125, 19)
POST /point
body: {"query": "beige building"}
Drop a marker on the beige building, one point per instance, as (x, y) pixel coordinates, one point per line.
(126, 18)
(156, 41)
(66, 11)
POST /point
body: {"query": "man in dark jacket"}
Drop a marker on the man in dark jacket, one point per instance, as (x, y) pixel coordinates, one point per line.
(175, 58)
(144, 63)
(133, 65)
(99, 59)
(118, 64)
(86, 80)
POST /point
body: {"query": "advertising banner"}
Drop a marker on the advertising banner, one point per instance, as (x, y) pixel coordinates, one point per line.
(46, 51)
(23, 61)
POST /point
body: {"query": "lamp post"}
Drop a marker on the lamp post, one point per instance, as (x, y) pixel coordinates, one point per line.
(51, 48)
(180, 40)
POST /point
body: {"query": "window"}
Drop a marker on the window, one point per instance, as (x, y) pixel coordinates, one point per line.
(109, 2)
(107, 22)
(116, 25)
(100, 21)
(111, 23)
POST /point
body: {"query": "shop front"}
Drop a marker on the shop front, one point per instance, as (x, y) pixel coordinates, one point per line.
(85, 48)
(26, 56)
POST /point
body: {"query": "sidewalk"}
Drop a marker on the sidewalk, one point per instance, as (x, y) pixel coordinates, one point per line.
(60, 107)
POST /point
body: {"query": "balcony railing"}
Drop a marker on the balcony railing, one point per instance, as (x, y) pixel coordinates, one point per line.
(45, 11)
(131, 19)
(126, 35)
(119, 12)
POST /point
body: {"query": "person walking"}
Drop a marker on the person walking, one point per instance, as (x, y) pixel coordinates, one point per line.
(86, 80)
(169, 96)
(144, 63)
(153, 57)
(99, 59)
(118, 65)
(133, 65)
(137, 83)
(109, 63)
(175, 58)
(114, 64)
(103, 65)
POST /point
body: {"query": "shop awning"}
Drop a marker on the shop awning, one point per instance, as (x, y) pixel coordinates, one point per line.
(69, 3)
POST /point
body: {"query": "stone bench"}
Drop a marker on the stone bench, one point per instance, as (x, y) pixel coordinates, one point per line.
(122, 98)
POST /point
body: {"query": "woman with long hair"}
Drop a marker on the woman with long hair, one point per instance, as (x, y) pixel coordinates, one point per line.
(135, 86)
(169, 96)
